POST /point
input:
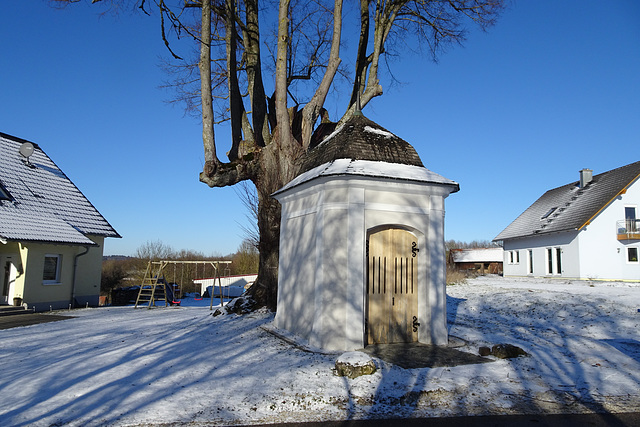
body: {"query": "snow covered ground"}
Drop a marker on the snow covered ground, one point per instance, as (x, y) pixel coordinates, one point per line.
(123, 366)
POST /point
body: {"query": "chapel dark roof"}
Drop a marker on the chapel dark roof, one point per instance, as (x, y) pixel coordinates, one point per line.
(570, 207)
(361, 139)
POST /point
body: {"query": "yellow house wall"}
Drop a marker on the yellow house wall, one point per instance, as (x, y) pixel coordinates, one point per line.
(89, 273)
(58, 295)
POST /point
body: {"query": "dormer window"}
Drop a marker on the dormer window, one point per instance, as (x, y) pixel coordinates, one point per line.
(549, 212)
(4, 194)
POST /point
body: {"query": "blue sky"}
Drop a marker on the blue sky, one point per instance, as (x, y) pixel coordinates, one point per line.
(553, 88)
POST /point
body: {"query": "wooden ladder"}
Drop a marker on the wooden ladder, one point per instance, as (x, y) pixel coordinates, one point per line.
(150, 290)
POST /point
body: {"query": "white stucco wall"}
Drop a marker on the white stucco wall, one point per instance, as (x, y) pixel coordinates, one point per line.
(321, 280)
(297, 275)
(603, 255)
(567, 242)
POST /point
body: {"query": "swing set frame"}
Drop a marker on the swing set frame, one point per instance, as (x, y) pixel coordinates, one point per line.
(155, 271)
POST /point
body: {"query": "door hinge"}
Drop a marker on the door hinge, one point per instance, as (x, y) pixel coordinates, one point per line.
(415, 324)
(414, 249)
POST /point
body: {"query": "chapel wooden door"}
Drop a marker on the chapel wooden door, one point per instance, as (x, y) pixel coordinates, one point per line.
(392, 287)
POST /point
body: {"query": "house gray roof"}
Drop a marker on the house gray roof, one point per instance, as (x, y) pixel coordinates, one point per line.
(363, 148)
(570, 207)
(40, 202)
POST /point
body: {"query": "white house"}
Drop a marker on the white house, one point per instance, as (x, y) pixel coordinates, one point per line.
(587, 229)
(232, 286)
(362, 257)
(51, 236)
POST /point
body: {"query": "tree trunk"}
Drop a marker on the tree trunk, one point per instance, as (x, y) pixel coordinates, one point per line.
(278, 163)
(265, 290)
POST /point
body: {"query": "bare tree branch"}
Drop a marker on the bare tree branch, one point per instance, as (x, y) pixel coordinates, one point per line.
(235, 97)
(311, 111)
(208, 133)
(282, 115)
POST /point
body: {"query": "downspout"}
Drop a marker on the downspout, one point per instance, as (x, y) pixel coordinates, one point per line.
(73, 280)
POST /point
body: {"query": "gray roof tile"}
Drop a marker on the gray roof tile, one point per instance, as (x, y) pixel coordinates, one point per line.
(46, 205)
(574, 206)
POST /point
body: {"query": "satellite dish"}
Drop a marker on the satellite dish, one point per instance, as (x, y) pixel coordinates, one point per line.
(26, 150)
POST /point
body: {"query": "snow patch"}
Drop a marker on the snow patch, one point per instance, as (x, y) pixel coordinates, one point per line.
(354, 358)
(369, 168)
(379, 132)
(121, 366)
(332, 134)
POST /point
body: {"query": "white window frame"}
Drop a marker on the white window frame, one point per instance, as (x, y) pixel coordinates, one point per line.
(548, 261)
(558, 256)
(56, 280)
(637, 254)
(631, 226)
(530, 261)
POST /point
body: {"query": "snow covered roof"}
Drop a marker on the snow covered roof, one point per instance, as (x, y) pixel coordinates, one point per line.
(571, 207)
(361, 139)
(370, 169)
(477, 255)
(363, 148)
(41, 203)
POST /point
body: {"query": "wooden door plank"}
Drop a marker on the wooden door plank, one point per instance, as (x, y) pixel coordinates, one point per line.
(391, 287)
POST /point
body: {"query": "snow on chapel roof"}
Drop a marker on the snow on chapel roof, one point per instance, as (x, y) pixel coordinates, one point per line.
(38, 202)
(362, 147)
(361, 139)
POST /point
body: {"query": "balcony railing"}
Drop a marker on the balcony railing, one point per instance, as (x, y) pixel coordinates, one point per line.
(628, 229)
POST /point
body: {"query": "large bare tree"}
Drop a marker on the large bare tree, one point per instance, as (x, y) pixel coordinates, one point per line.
(270, 134)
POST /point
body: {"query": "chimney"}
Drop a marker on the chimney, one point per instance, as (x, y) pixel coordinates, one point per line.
(586, 175)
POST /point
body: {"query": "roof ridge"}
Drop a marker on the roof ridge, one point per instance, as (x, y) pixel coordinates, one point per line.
(17, 139)
(570, 207)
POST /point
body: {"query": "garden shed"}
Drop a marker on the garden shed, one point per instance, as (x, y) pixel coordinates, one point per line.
(362, 258)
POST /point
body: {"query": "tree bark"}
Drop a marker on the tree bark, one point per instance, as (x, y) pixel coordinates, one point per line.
(282, 114)
(258, 99)
(235, 97)
(275, 168)
(265, 290)
(361, 59)
(208, 134)
(311, 111)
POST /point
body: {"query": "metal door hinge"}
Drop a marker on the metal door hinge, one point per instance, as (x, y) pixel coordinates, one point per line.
(415, 324)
